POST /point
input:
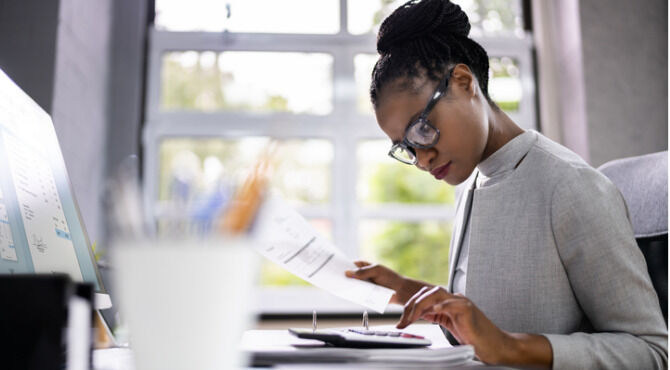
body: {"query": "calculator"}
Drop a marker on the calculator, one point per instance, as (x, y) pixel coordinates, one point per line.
(362, 338)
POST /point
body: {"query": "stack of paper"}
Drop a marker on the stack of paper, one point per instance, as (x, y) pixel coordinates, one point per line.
(444, 356)
(401, 356)
(272, 347)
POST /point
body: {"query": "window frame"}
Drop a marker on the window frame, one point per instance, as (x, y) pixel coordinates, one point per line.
(344, 126)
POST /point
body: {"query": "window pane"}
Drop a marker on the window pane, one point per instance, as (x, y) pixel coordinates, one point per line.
(247, 81)
(418, 250)
(365, 16)
(505, 84)
(494, 17)
(363, 65)
(488, 17)
(271, 16)
(275, 275)
(192, 169)
(198, 176)
(382, 179)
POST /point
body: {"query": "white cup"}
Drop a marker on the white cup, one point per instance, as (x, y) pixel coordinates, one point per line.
(186, 303)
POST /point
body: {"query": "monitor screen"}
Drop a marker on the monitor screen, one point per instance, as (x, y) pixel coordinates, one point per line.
(40, 226)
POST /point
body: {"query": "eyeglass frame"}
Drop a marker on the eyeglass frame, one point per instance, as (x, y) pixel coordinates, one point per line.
(423, 117)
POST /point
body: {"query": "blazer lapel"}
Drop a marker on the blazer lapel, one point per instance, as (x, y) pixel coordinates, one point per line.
(462, 218)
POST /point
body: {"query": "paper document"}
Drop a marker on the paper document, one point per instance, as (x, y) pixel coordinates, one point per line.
(272, 347)
(282, 235)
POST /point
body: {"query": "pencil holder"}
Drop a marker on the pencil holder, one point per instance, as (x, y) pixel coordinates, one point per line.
(186, 302)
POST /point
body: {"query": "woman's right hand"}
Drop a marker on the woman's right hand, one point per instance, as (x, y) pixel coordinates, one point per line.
(404, 287)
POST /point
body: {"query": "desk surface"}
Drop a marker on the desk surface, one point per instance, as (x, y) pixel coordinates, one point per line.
(122, 358)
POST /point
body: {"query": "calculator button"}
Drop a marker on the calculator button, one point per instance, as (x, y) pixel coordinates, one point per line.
(381, 333)
(394, 334)
(405, 335)
(364, 332)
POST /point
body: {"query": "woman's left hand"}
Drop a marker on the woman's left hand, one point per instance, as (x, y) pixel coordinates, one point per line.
(464, 320)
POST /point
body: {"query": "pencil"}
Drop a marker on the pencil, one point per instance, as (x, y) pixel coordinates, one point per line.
(249, 197)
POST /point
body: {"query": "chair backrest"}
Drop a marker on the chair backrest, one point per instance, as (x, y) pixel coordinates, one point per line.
(643, 182)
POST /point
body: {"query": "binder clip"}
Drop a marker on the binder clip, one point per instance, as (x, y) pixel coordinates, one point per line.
(313, 321)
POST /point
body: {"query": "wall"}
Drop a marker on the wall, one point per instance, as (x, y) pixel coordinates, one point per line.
(125, 101)
(80, 101)
(625, 54)
(127, 81)
(560, 73)
(28, 46)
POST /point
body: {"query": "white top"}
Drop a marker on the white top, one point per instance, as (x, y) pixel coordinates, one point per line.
(491, 171)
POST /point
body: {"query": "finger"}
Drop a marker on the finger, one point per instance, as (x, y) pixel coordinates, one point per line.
(455, 305)
(443, 319)
(435, 294)
(434, 317)
(409, 308)
(359, 264)
(366, 272)
(424, 303)
(362, 263)
(438, 316)
(453, 309)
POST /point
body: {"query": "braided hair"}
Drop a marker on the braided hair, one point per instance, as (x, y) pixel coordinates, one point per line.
(423, 37)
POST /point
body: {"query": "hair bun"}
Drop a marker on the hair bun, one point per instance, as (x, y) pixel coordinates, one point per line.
(417, 19)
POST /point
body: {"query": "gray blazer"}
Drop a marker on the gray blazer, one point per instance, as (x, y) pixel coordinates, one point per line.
(552, 252)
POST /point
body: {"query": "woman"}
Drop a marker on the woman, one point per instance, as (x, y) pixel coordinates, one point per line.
(544, 269)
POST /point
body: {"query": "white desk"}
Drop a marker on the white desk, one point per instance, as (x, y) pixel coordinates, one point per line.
(121, 358)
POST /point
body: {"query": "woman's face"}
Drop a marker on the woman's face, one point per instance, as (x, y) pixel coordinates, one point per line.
(461, 116)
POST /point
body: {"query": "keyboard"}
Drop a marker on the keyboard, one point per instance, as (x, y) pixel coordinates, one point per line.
(362, 338)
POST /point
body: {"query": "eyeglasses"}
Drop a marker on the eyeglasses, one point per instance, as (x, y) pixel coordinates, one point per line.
(420, 133)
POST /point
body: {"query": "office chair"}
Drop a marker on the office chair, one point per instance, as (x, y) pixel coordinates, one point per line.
(643, 181)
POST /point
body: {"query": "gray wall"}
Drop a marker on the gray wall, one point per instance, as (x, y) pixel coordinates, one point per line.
(625, 54)
(80, 102)
(127, 81)
(28, 46)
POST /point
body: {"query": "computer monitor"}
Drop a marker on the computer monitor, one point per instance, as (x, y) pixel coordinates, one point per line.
(41, 230)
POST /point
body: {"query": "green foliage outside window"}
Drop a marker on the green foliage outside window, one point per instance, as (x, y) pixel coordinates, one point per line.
(420, 249)
(199, 86)
(273, 274)
(399, 183)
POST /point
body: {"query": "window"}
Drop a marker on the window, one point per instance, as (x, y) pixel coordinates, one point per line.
(258, 16)
(226, 77)
(247, 81)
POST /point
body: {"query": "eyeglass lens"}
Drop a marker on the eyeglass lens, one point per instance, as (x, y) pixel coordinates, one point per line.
(403, 154)
(421, 134)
